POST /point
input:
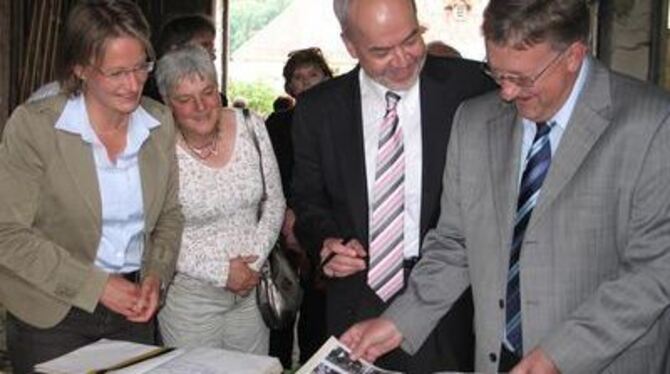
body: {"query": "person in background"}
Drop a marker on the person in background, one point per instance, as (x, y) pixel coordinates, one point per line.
(555, 209)
(441, 49)
(240, 103)
(89, 214)
(44, 91)
(187, 29)
(179, 31)
(369, 146)
(304, 69)
(233, 206)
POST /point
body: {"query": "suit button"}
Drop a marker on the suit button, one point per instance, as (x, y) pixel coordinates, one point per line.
(501, 303)
(65, 292)
(493, 357)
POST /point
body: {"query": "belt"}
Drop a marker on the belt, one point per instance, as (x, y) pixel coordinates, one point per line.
(132, 277)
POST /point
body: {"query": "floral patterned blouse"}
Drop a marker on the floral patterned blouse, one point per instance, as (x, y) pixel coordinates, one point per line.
(224, 213)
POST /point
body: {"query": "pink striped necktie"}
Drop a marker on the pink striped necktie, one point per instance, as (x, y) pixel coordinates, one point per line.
(385, 273)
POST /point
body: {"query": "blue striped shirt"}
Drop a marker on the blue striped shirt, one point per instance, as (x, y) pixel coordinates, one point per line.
(122, 240)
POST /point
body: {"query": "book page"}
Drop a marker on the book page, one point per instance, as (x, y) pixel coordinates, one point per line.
(219, 361)
(105, 356)
(96, 356)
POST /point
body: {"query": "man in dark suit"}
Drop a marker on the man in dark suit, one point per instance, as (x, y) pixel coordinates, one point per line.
(369, 152)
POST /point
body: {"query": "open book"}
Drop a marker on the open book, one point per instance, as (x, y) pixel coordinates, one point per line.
(118, 357)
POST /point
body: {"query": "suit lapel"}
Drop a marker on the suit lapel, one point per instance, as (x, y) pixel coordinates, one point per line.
(433, 122)
(150, 168)
(505, 148)
(589, 120)
(78, 159)
(347, 130)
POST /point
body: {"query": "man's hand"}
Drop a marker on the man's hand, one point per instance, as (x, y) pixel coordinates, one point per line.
(347, 258)
(536, 362)
(241, 278)
(120, 296)
(372, 338)
(147, 305)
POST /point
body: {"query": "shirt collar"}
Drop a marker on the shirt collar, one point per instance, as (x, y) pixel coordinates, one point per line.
(372, 89)
(74, 119)
(563, 115)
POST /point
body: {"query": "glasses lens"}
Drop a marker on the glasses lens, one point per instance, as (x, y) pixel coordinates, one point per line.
(517, 80)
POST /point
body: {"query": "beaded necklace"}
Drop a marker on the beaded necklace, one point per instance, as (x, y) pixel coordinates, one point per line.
(207, 150)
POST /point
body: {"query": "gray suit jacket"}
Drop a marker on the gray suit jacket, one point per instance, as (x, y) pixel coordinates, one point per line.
(50, 212)
(595, 261)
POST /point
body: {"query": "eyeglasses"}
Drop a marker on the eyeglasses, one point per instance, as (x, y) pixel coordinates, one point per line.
(312, 50)
(521, 81)
(140, 71)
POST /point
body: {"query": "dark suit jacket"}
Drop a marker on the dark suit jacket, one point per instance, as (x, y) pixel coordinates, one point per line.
(329, 180)
(279, 125)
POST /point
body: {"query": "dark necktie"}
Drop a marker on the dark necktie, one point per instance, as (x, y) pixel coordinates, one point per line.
(385, 273)
(537, 165)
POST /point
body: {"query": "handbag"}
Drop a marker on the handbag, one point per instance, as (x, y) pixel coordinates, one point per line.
(278, 293)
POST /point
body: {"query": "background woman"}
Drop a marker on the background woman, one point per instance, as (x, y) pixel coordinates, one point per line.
(304, 69)
(89, 216)
(179, 31)
(233, 206)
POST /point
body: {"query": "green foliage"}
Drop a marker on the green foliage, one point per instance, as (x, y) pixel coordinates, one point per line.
(258, 95)
(249, 16)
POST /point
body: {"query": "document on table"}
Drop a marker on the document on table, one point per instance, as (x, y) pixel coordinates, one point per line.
(333, 358)
(110, 356)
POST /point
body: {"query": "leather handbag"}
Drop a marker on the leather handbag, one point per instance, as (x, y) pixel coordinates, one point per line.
(278, 293)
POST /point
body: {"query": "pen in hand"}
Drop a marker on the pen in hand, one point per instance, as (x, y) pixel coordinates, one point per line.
(330, 256)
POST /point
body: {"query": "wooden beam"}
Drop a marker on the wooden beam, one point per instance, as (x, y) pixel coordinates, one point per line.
(5, 13)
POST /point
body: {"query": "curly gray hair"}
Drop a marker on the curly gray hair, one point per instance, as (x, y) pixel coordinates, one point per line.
(187, 61)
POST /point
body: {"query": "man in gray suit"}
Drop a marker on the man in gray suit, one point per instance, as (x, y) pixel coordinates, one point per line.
(556, 209)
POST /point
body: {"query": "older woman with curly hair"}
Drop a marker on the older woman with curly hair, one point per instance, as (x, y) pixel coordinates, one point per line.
(233, 207)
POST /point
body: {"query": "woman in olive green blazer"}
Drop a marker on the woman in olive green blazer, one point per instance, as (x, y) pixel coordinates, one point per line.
(67, 164)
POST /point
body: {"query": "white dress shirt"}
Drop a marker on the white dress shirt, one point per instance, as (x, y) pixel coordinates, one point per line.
(562, 117)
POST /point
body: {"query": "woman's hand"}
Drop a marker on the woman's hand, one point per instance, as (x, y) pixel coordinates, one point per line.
(120, 296)
(147, 304)
(241, 278)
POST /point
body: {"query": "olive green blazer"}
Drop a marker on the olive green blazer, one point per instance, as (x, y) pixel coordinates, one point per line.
(50, 212)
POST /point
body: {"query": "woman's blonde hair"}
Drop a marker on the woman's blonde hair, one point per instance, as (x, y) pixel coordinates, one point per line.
(90, 25)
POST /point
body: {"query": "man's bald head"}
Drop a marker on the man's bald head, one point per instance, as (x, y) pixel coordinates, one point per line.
(342, 10)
